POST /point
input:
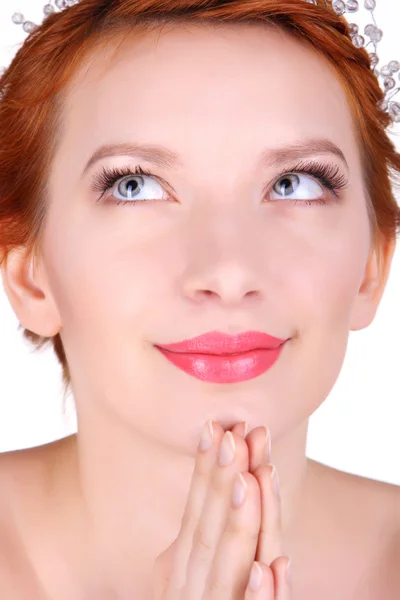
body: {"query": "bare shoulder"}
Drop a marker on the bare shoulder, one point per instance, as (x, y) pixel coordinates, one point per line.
(15, 572)
(17, 464)
(31, 469)
(378, 500)
(365, 517)
(25, 476)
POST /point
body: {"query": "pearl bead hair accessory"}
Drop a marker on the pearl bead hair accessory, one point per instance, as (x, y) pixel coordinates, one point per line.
(387, 72)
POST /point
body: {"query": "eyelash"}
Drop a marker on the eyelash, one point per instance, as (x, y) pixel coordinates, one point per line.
(327, 174)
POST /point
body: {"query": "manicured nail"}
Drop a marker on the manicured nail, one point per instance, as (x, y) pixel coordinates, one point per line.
(206, 438)
(288, 572)
(268, 446)
(242, 429)
(239, 489)
(275, 480)
(255, 577)
(227, 449)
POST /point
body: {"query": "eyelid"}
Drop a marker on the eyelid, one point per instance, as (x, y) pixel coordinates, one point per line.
(330, 175)
(305, 165)
(157, 178)
(300, 167)
(124, 171)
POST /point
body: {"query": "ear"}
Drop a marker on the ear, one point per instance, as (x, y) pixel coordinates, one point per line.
(373, 285)
(29, 294)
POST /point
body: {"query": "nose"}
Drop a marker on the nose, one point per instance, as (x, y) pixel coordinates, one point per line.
(224, 258)
(226, 283)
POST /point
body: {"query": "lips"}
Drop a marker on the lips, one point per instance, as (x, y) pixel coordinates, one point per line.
(222, 358)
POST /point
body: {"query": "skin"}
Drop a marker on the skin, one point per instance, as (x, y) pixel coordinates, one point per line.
(211, 253)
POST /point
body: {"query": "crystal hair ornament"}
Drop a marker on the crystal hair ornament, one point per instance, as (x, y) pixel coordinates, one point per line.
(386, 74)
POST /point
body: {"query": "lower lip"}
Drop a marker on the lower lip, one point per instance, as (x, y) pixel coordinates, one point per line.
(224, 369)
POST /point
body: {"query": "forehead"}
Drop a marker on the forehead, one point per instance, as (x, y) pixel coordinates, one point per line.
(194, 85)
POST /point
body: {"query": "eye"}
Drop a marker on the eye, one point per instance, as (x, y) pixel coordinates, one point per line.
(127, 187)
(138, 188)
(309, 181)
(300, 186)
(143, 186)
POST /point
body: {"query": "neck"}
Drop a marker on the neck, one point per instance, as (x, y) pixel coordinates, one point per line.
(130, 493)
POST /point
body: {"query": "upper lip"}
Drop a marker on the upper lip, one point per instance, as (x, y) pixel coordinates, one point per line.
(215, 342)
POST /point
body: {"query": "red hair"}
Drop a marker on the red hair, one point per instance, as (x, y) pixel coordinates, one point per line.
(31, 102)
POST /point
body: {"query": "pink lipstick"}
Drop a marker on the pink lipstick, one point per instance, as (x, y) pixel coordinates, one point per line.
(222, 358)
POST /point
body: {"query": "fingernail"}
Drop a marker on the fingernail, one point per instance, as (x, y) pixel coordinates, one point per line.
(227, 449)
(206, 438)
(239, 489)
(255, 577)
(288, 573)
(268, 446)
(246, 428)
(275, 480)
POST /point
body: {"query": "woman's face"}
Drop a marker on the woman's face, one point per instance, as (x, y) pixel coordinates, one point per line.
(212, 242)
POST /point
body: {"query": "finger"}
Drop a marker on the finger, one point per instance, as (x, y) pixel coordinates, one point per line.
(259, 444)
(270, 542)
(235, 553)
(241, 429)
(261, 585)
(162, 570)
(199, 485)
(282, 578)
(215, 512)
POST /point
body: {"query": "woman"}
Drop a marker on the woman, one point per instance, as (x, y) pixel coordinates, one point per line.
(160, 183)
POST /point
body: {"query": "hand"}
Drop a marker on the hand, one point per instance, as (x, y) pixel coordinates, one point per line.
(212, 557)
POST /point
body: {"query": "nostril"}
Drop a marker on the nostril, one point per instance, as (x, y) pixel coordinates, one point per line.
(208, 293)
(252, 293)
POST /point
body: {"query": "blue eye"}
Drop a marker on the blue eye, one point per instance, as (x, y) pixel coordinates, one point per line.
(291, 184)
(131, 186)
(327, 175)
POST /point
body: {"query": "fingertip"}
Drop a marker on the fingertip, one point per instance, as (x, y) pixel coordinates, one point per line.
(282, 573)
(256, 577)
(241, 429)
(288, 571)
(261, 584)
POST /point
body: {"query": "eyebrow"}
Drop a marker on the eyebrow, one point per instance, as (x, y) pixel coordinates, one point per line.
(168, 159)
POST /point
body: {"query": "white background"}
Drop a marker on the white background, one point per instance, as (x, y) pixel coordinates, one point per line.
(357, 427)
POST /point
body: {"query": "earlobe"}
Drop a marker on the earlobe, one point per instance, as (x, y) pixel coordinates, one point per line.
(33, 306)
(373, 285)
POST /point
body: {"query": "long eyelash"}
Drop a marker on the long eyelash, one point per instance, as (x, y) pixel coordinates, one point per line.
(105, 180)
(327, 174)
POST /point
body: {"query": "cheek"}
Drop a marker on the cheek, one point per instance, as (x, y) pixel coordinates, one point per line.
(323, 290)
(326, 282)
(99, 282)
